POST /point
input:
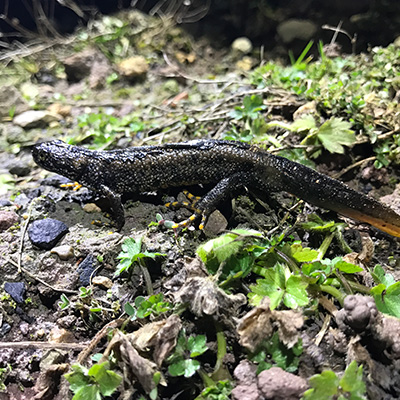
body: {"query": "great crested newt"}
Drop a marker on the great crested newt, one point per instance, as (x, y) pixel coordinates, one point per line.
(230, 165)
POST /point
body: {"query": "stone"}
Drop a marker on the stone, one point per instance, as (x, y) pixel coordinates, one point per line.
(102, 281)
(45, 233)
(296, 29)
(65, 252)
(133, 67)
(91, 208)
(85, 270)
(242, 45)
(7, 219)
(16, 290)
(60, 335)
(89, 63)
(277, 384)
(11, 100)
(35, 119)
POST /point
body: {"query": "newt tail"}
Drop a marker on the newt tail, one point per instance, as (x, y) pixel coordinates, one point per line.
(229, 165)
(329, 193)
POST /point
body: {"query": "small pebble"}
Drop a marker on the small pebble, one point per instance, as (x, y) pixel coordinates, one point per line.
(242, 45)
(91, 208)
(60, 335)
(85, 270)
(5, 203)
(45, 233)
(65, 252)
(102, 281)
(16, 290)
(7, 219)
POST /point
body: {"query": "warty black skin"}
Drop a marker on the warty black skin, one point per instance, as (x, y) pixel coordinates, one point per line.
(230, 165)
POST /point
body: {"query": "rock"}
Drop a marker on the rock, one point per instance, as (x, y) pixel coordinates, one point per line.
(296, 29)
(7, 219)
(5, 203)
(19, 168)
(5, 328)
(216, 223)
(277, 384)
(91, 208)
(16, 290)
(244, 392)
(133, 67)
(88, 63)
(242, 45)
(61, 109)
(245, 372)
(45, 233)
(358, 312)
(11, 98)
(65, 252)
(85, 270)
(245, 64)
(14, 134)
(60, 335)
(35, 119)
(102, 281)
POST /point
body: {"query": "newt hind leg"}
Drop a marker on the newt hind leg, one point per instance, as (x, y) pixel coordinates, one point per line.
(205, 205)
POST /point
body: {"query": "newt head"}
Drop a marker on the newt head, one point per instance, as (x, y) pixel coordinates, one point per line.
(61, 158)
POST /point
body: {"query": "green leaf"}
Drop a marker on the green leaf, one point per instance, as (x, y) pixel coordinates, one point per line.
(78, 377)
(324, 386)
(197, 345)
(7, 183)
(335, 133)
(87, 392)
(346, 267)
(296, 292)
(107, 380)
(187, 368)
(380, 276)
(392, 300)
(131, 252)
(352, 380)
(305, 123)
(303, 254)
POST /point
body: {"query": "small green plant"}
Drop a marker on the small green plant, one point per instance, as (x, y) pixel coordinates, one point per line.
(332, 135)
(250, 114)
(252, 105)
(7, 183)
(94, 383)
(280, 285)
(64, 302)
(131, 253)
(3, 376)
(102, 129)
(154, 305)
(273, 353)
(328, 386)
(182, 362)
(220, 391)
(230, 255)
(386, 293)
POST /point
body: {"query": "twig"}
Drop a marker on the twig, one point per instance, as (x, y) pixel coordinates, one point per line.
(99, 335)
(35, 278)
(352, 166)
(42, 345)
(190, 78)
(21, 244)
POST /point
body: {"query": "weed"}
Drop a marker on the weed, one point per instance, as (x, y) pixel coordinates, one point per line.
(154, 305)
(94, 383)
(182, 362)
(328, 386)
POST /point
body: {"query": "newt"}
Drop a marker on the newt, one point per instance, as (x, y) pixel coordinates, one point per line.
(230, 165)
